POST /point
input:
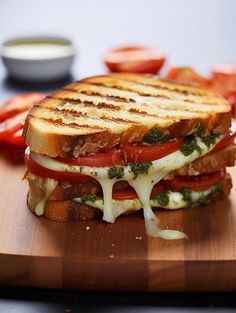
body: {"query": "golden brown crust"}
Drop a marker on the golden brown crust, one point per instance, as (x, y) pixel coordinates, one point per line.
(66, 211)
(99, 112)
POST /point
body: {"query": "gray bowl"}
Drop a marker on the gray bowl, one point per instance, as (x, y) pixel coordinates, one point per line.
(38, 59)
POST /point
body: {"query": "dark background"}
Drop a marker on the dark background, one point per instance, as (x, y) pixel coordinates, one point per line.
(192, 32)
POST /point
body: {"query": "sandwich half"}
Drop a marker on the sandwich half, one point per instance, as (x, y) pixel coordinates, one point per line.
(114, 144)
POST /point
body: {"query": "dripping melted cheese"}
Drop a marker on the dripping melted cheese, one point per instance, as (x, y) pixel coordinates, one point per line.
(143, 184)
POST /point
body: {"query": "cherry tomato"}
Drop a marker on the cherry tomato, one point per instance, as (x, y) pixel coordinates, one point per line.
(187, 75)
(109, 157)
(226, 141)
(196, 183)
(60, 176)
(19, 103)
(129, 193)
(144, 152)
(135, 59)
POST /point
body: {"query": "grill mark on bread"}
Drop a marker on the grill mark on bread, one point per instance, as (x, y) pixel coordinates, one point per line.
(97, 94)
(158, 87)
(116, 87)
(75, 114)
(129, 118)
(133, 110)
(103, 106)
(175, 102)
(71, 125)
(87, 103)
(160, 84)
(167, 113)
(164, 104)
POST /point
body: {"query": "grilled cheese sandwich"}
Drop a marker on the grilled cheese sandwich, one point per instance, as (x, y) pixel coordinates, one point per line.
(125, 136)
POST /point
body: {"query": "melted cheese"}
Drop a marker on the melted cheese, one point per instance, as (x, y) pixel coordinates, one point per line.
(142, 184)
(48, 186)
(176, 201)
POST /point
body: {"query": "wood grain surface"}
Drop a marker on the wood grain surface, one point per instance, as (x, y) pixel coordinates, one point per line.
(96, 255)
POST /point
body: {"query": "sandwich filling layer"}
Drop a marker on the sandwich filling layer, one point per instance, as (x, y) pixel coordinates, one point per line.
(142, 176)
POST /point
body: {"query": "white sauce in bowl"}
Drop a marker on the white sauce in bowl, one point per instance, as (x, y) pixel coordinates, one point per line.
(37, 50)
(38, 59)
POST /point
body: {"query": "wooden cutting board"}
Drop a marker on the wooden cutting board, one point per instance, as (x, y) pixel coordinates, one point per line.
(99, 256)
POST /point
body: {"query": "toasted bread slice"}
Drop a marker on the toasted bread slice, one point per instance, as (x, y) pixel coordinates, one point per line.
(209, 163)
(99, 112)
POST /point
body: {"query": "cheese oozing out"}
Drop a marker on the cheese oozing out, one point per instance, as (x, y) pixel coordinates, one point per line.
(142, 183)
(176, 201)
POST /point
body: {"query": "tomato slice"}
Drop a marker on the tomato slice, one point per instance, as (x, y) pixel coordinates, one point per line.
(130, 194)
(226, 141)
(196, 183)
(12, 125)
(144, 152)
(19, 103)
(110, 157)
(60, 176)
(187, 75)
(16, 139)
(134, 59)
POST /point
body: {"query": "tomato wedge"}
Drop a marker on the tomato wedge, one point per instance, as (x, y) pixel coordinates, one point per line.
(19, 103)
(12, 125)
(196, 183)
(130, 194)
(187, 75)
(144, 152)
(16, 139)
(226, 141)
(110, 157)
(44, 172)
(134, 59)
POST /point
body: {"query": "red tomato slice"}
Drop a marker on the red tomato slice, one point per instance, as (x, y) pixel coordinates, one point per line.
(226, 141)
(144, 152)
(19, 103)
(129, 193)
(187, 75)
(12, 125)
(134, 59)
(196, 183)
(109, 157)
(60, 176)
(16, 139)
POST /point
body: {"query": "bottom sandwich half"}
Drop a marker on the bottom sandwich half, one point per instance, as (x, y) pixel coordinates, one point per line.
(78, 201)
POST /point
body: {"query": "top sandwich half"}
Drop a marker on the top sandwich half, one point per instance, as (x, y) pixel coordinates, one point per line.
(99, 112)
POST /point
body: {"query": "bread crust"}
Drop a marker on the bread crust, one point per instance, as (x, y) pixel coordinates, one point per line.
(100, 112)
(210, 162)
